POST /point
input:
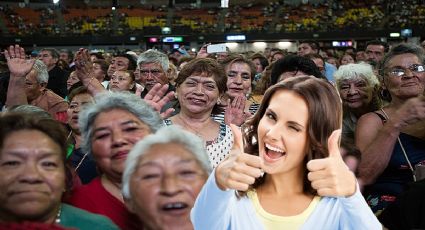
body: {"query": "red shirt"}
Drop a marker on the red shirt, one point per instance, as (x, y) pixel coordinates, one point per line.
(93, 197)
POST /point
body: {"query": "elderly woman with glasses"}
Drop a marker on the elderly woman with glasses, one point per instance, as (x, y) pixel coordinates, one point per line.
(164, 174)
(392, 139)
(110, 128)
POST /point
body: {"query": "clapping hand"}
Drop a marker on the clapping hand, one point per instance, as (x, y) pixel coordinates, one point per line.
(330, 176)
(240, 169)
(18, 65)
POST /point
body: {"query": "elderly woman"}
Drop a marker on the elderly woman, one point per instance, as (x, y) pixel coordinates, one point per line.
(163, 175)
(33, 175)
(199, 85)
(392, 139)
(82, 162)
(359, 91)
(237, 103)
(110, 128)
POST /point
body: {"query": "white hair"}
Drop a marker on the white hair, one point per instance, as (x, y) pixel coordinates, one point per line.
(42, 73)
(116, 100)
(353, 71)
(166, 135)
(153, 56)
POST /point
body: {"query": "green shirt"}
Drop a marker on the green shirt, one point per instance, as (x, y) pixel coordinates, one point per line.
(77, 218)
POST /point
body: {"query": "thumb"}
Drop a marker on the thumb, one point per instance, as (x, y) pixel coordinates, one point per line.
(237, 138)
(333, 144)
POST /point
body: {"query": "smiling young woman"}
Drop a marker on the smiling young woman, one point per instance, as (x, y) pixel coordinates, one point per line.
(291, 174)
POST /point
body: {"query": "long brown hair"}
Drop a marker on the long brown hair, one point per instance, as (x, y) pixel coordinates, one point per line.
(325, 116)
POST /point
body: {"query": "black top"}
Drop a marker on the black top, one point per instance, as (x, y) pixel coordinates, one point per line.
(57, 81)
(408, 211)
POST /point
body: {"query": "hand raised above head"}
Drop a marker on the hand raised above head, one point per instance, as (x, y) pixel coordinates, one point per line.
(157, 97)
(330, 176)
(18, 65)
(83, 65)
(239, 170)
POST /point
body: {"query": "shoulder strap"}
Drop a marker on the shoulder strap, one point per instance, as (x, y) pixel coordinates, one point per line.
(382, 117)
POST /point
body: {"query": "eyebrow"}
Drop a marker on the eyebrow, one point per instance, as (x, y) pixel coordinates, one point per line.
(154, 164)
(205, 81)
(121, 124)
(269, 110)
(23, 154)
(242, 72)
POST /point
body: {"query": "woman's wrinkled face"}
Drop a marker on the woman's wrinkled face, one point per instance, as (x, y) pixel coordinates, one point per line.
(238, 79)
(355, 93)
(114, 134)
(32, 177)
(165, 185)
(198, 93)
(411, 83)
(282, 133)
(78, 101)
(121, 81)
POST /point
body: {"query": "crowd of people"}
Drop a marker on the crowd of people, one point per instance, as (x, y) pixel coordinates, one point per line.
(184, 140)
(274, 16)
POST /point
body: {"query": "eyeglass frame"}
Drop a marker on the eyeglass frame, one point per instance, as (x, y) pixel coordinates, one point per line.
(404, 70)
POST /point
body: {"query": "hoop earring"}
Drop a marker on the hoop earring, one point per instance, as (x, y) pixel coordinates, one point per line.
(385, 95)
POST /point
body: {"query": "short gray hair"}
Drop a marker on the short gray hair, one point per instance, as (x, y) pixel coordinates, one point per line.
(153, 56)
(54, 52)
(108, 101)
(168, 134)
(360, 70)
(402, 48)
(42, 73)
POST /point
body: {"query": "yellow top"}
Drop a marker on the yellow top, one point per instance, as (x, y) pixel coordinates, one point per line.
(273, 222)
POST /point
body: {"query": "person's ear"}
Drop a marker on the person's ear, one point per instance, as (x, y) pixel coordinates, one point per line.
(43, 85)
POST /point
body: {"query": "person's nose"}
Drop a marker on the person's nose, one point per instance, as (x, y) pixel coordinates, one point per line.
(118, 138)
(170, 185)
(30, 173)
(352, 90)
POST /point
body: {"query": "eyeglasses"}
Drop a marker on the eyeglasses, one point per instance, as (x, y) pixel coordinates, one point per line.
(154, 72)
(400, 71)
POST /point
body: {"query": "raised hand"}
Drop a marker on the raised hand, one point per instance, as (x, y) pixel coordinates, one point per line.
(18, 65)
(330, 176)
(157, 97)
(235, 113)
(202, 52)
(83, 65)
(239, 170)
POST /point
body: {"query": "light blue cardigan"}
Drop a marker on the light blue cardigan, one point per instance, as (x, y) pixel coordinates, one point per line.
(221, 210)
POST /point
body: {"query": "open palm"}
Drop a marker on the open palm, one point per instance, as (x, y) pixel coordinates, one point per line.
(16, 62)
